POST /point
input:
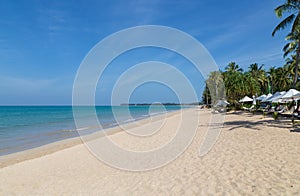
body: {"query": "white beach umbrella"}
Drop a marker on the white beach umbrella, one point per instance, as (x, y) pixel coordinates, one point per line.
(278, 98)
(245, 99)
(274, 97)
(267, 97)
(285, 97)
(260, 98)
(222, 103)
(289, 95)
(297, 96)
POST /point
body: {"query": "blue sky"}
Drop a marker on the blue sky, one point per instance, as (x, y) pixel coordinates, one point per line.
(42, 43)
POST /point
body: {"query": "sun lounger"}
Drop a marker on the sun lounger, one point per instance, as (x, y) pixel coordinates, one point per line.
(289, 113)
(249, 109)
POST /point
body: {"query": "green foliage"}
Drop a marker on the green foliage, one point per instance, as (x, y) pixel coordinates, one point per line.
(239, 84)
(292, 9)
(234, 83)
(275, 115)
(206, 98)
(265, 114)
(215, 86)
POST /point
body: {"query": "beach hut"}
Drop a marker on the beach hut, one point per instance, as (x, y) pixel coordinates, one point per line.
(245, 99)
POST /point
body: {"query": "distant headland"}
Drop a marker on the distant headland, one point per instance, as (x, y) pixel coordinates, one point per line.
(165, 104)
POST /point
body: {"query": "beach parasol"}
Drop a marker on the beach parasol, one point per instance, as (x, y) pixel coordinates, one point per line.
(245, 99)
(288, 96)
(296, 96)
(278, 98)
(276, 95)
(260, 98)
(266, 98)
(222, 103)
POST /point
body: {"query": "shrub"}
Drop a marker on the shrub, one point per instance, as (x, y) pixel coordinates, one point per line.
(275, 115)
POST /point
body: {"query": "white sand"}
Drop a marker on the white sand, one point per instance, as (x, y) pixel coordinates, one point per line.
(253, 156)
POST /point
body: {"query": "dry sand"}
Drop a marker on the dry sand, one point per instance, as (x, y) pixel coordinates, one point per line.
(252, 156)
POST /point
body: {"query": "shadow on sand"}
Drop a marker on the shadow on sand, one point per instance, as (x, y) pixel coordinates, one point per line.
(295, 130)
(282, 122)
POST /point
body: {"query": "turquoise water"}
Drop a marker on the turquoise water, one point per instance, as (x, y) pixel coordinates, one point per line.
(26, 127)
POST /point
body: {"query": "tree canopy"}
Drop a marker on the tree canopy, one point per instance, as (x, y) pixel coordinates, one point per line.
(234, 83)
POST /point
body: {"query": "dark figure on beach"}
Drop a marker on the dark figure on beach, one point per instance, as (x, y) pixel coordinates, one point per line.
(297, 111)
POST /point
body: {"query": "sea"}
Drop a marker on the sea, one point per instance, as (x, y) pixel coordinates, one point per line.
(27, 127)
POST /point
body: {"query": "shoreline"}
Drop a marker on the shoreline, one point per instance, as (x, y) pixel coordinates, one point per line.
(32, 153)
(28, 127)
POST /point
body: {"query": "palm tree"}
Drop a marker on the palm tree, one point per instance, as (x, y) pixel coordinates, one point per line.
(291, 46)
(282, 79)
(293, 7)
(255, 81)
(206, 98)
(234, 82)
(233, 67)
(215, 86)
(272, 77)
(289, 67)
(251, 85)
(259, 75)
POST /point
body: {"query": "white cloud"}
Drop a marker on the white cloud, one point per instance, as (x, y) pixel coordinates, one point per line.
(54, 21)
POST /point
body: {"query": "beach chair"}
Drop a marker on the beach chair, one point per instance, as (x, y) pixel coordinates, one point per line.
(288, 112)
(248, 109)
(271, 110)
(267, 108)
(252, 108)
(282, 109)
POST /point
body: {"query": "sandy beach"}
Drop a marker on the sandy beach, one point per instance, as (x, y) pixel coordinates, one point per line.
(254, 155)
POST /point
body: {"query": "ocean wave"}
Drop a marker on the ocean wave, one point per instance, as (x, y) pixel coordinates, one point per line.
(112, 124)
(129, 120)
(83, 128)
(89, 128)
(157, 113)
(68, 130)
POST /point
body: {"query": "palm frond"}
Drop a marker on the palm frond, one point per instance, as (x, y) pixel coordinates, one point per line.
(260, 68)
(286, 53)
(284, 8)
(284, 23)
(295, 3)
(286, 47)
(290, 36)
(296, 23)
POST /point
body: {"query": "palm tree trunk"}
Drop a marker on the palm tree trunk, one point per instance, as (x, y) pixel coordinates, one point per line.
(217, 94)
(296, 66)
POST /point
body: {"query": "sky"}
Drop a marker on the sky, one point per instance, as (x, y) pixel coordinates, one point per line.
(42, 43)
